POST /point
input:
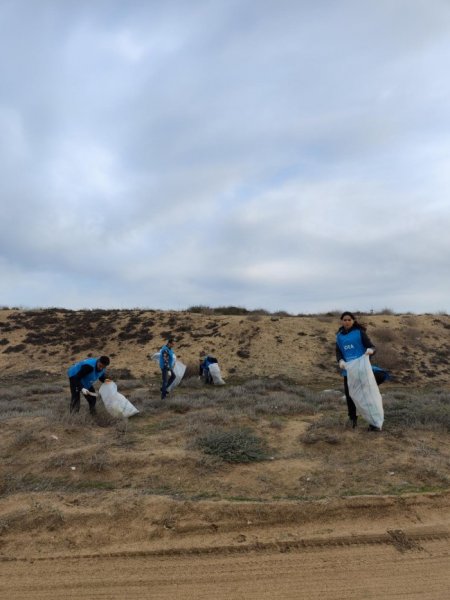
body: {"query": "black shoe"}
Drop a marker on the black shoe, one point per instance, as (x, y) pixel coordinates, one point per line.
(373, 428)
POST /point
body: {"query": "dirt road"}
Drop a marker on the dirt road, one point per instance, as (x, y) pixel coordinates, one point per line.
(371, 567)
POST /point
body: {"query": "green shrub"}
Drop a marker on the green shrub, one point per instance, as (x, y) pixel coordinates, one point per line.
(239, 445)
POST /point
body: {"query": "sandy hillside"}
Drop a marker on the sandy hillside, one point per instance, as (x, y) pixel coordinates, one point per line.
(414, 347)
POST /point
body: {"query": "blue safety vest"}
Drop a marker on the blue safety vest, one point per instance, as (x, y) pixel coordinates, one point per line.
(88, 379)
(350, 344)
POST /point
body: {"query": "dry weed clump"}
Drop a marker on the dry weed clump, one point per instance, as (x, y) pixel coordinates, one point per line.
(234, 446)
(415, 410)
(99, 462)
(327, 429)
(198, 424)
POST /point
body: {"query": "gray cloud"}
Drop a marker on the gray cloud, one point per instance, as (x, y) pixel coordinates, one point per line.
(286, 155)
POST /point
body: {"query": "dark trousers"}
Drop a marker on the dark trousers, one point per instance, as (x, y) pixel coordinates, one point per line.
(206, 376)
(350, 404)
(168, 377)
(75, 397)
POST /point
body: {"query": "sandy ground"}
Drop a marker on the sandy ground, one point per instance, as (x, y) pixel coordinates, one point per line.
(360, 548)
(357, 571)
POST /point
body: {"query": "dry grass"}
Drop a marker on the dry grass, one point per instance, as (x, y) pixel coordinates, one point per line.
(180, 447)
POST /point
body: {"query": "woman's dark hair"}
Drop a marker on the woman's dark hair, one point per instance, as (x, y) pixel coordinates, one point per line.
(347, 313)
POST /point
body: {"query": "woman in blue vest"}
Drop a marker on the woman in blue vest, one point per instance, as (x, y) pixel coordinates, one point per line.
(352, 342)
(82, 375)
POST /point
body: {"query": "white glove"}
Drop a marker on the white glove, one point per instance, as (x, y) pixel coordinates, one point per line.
(342, 364)
(369, 351)
(85, 392)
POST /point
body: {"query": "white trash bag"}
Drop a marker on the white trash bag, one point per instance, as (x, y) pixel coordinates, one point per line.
(116, 404)
(364, 390)
(179, 369)
(216, 375)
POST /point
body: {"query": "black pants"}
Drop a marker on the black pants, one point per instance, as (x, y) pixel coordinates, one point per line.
(167, 380)
(75, 397)
(206, 376)
(350, 404)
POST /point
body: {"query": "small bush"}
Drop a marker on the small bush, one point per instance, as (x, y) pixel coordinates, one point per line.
(18, 348)
(234, 446)
(386, 311)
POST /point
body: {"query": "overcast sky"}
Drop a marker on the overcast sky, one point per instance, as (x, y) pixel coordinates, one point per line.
(280, 154)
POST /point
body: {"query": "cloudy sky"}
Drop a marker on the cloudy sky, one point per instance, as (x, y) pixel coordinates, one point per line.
(280, 154)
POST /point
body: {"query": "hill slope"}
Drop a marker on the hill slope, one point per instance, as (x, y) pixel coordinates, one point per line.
(414, 347)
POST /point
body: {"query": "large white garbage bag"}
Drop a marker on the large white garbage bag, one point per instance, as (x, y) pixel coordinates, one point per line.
(364, 390)
(179, 369)
(216, 375)
(116, 404)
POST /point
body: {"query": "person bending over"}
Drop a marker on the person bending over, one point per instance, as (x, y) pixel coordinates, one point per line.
(82, 376)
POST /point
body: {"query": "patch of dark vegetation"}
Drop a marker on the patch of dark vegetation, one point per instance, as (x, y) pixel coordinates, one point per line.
(234, 446)
(126, 335)
(17, 348)
(143, 337)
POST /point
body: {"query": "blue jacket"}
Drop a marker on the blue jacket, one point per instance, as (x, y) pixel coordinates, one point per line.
(88, 379)
(166, 357)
